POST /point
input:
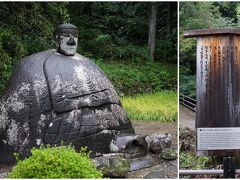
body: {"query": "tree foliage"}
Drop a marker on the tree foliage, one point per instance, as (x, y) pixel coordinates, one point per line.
(123, 26)
(26, 28)
(107, 30)
(201, 15)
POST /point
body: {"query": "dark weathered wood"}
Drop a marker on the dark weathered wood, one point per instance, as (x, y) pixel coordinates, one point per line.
(218, 82)
(210, 32)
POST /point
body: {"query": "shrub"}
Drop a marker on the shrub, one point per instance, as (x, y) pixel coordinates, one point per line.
(143, 77)
(131, 52)
(166, 49)
(56, 162)
(188, 85)
(104, 46)
(191, 161)
(187, 82)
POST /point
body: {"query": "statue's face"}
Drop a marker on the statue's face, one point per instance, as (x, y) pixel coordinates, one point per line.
(67, 43)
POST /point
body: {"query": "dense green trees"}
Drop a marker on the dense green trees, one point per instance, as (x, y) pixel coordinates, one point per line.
(112, 31)
(119, 30)
(201, 15)
(26, 28)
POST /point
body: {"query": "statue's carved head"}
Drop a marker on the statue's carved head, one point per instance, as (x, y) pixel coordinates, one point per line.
(67, 39)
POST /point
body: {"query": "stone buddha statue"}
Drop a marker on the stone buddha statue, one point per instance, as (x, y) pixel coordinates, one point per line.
(59, 97)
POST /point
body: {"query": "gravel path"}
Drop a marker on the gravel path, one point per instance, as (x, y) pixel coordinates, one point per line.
(186, 117)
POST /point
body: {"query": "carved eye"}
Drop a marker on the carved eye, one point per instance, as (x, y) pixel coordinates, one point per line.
(65, 35)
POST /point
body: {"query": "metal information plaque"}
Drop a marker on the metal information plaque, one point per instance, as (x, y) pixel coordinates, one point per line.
(218, 138)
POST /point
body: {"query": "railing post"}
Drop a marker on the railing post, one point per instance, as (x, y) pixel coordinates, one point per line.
(183, 98)
(229, 167)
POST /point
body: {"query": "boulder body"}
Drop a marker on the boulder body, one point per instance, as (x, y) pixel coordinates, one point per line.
(56, 99)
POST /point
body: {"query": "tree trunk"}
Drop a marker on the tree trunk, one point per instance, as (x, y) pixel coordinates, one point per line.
(172, 17)
(87, 8)
(169, 19)
(152, 29)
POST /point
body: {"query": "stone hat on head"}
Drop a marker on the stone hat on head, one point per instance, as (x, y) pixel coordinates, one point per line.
(67, 28)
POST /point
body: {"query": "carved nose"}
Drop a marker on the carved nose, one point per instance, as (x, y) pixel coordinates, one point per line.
(71, 41)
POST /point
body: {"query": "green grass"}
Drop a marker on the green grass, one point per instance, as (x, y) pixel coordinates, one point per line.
(160, 106)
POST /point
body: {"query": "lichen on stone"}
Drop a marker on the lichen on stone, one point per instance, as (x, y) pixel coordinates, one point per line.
(12, 133)
(4, 119)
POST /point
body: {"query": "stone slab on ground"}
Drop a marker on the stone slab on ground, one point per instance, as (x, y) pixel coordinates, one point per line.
(163, 170)
(143, 162)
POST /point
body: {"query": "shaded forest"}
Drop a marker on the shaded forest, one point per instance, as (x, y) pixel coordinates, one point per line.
(201, 15)
(113, 34)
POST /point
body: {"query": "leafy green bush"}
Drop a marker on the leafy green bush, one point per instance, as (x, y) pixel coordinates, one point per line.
(188, 85)
(166, 49)
(189, 160)
(131, 52)
(56, 162)
(104, 47)
(187, 82)
(142, 77)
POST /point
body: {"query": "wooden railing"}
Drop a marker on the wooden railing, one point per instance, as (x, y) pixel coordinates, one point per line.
(188, 102)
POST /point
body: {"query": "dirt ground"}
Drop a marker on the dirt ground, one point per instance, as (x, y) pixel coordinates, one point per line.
(150, 127)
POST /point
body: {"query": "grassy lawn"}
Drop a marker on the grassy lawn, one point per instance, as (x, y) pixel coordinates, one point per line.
(160, 106)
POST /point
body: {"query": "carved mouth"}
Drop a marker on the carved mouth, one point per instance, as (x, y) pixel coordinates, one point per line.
(71, 47)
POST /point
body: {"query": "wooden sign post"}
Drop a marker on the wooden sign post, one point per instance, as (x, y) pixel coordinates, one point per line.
(218, 91)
